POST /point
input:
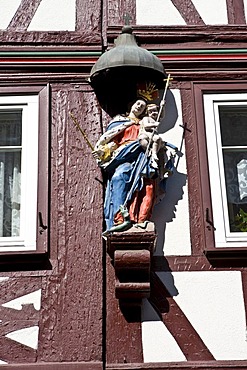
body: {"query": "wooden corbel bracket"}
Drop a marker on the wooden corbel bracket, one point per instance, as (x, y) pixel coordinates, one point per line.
(131, 252)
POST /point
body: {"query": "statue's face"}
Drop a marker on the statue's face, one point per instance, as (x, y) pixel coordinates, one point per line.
(153, 112)
(138, 107)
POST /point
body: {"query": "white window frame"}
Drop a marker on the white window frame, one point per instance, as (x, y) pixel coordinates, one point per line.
(29, 104)
(223, 236)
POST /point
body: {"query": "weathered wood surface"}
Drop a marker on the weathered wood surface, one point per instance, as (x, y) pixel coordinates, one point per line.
(187, 338)
(196, 222)
(88, 17)
(168, 37)
(123, 329)
(235, 12)
(88, 23)
(121, 12)
(13, 319)
(71, 327)
(24, 15)
(189, 365)
(188, 12)
(56, 366)
(50, 38)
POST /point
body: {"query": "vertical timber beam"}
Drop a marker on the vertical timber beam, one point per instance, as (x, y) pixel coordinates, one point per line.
(23, 15)
(235, 12)
(123, 332)
(121, 12)
(128, 281)
(88, 17)
(71, 325)
(188, 11)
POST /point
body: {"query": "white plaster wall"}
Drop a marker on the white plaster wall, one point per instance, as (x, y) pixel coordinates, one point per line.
(211, 11)
(31, 298)
(8, 9)
(213, 303)
(27, 336)
(245, 8)
(163, 12)
(171, 215)
(54, 15)
(157, 12)
(158, 344)
(3, 279)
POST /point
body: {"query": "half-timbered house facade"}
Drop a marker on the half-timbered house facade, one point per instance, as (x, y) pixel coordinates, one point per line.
(58, 307)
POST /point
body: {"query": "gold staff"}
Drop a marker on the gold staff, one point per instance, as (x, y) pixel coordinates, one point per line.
(82, 132)
(162, 103)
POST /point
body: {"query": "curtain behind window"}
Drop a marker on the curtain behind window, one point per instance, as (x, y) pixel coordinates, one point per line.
(10, 172)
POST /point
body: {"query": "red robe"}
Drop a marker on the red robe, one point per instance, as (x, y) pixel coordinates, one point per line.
(141, 205)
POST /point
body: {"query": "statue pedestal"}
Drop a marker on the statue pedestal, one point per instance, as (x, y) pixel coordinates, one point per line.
(131, 252)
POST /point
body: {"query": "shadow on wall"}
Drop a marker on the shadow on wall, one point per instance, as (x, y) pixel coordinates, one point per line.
(162, 289)
(167, 207)
(174, 186)
(170, 114)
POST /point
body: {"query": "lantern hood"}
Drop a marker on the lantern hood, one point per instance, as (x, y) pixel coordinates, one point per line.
(117, 73)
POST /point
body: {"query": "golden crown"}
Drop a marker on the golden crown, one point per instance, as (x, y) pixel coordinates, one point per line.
(148, 91)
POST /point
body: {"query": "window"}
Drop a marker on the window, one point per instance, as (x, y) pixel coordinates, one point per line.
(226, 136)
(219, 174)
(23, 171)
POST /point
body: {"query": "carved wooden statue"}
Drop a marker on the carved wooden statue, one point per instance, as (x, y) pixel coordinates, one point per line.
(129, 153)
(132, 154)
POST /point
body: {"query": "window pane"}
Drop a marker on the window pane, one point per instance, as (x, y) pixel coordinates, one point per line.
(10, 172)
(226, 134)
(235, 165)
(233, 125)
(10, 127)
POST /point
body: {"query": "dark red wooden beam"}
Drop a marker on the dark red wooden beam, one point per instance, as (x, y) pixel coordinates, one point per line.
(235, 12)
(177, 323)
(188, 11)
(24, 15)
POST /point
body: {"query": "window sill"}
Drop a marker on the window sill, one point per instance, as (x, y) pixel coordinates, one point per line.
(24, 261)
(227, 256)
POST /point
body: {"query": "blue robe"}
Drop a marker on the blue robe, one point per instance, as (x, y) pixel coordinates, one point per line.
(125, 175)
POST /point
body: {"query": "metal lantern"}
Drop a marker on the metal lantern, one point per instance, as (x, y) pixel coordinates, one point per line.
(116, 75)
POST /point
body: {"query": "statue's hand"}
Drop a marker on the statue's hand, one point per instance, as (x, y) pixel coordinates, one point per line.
(98, 154)
(156, 124)
(104, 152)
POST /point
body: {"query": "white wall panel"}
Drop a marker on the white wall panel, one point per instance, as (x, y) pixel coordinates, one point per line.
(171, 215)
(7, 11)
(211, 11)
(213, 303)
(27, 336)
(158, 344)
(3, 279)
(163, 12)
(157, 12)
(31, 298)
(245, 8)
(55, 15)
